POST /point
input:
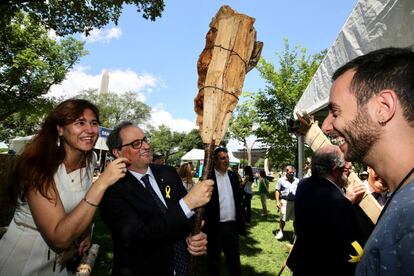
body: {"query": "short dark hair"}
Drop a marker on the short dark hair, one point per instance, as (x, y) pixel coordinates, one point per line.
(114, 140)
(387, 68)
(218, 150)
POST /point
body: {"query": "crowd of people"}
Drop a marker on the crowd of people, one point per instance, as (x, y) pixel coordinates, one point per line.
(149, 207)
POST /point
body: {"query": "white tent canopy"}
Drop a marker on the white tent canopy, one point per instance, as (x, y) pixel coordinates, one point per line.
(373, 24)
(17, 144)
(198, 154)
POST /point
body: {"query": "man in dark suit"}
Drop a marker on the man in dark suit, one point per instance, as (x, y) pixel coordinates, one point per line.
(326, 221)
(223, 217)
(148, 211)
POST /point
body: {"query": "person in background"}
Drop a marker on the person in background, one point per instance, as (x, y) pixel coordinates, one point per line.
(348, 168)
(376, 186)
(247, 194)
(158, 158)
(56, 197)
(149, 212)
(223, 217)
(186, 175)
(307, 168)
(235, 169)
(355, 192)
(371, 114)
(285, 196)
(323, 247)
(263, 191)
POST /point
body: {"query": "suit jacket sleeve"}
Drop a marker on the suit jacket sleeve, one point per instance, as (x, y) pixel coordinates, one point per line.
(136, 222)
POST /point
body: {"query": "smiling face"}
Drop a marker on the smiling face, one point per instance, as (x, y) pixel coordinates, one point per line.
(350, 125)
(140, 158)
(81, 135)
(222, 162)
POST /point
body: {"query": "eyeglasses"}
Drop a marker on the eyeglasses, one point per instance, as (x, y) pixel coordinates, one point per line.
(137, 144)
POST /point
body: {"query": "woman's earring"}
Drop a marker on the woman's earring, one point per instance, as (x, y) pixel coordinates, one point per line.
(58, 141)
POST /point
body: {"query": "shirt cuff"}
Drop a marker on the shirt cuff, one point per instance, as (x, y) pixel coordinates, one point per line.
(188, 213)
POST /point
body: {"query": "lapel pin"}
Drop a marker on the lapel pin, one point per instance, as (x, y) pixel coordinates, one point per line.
(167, 191)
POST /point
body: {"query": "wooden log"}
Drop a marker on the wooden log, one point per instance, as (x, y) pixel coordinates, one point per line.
(88, 261)
(231, 50)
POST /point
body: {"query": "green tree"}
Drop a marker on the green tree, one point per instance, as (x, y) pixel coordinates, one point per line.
(284, 86)
(114, 108)
(242, 126)
(69, 17)
(166, 141)
(31, 62)
(191, 140)
(26, 122)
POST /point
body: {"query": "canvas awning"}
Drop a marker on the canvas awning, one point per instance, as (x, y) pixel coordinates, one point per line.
(372, 24)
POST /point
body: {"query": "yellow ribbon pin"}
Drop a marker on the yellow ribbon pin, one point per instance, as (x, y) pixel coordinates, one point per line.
(359, 251)
(167, 191)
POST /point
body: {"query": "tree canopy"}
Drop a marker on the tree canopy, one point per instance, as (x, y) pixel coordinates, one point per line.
(166, 141)
(114, 108)
(30, 63)
(242, 124)
(274, 104)
(69, 17)
(26, 122)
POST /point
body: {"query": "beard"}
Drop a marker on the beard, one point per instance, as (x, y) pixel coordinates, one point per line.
(360, 135)
(342, 180)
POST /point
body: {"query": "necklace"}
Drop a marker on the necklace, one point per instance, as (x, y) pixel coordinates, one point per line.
(392, 195)
(71, 169)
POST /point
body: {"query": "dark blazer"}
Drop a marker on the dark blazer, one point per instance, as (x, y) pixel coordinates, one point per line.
(326, 224)
(212, 209)
(143, 236)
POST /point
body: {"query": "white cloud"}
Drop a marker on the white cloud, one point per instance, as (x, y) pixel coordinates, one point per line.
(120, 81)
(52, 34)
(103, 35)
(160, 116)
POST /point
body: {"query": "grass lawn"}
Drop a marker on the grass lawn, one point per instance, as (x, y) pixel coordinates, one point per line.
(260, 252)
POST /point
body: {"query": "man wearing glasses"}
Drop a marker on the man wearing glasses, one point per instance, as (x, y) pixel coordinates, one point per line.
(149, 212)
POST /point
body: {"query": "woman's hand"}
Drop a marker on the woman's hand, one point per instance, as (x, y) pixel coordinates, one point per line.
(114, 171)
(85, 244)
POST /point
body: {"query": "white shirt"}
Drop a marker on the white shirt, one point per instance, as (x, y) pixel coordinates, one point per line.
(157, 190)
(226, 198)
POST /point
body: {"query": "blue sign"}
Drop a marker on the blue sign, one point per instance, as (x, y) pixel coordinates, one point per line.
(104, 132)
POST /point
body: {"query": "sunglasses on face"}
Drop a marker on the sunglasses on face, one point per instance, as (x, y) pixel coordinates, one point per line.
(137, 144)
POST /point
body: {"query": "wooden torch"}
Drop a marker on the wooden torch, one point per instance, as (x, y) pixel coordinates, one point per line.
(230, 52)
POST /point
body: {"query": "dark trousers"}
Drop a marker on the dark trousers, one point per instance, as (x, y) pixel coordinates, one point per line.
(225, 239)
(247, 207)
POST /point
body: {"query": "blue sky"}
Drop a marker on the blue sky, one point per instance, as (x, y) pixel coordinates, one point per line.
(157, 60)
